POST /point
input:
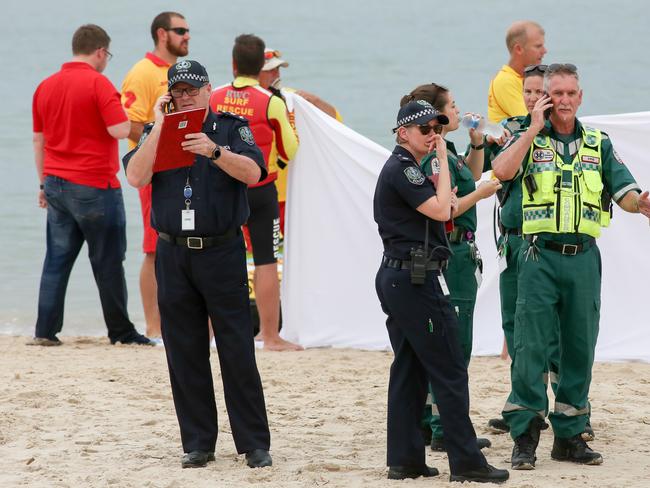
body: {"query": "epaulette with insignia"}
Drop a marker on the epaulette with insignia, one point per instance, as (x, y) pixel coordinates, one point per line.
(232, 116)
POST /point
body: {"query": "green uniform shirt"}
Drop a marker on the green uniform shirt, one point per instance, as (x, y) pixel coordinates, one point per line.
(616, 177)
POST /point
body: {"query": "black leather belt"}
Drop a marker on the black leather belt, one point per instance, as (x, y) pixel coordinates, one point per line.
(460, 234)
(199, 242)
(387, 262)
(564, 248)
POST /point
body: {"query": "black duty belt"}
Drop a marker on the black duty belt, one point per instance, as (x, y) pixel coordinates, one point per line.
(199, 242)
(387, 262)
(460, 234)
(562, 247)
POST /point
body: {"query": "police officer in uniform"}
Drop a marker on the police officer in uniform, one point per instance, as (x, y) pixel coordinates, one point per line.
(201, 270)
(570, 174)
(410, 212)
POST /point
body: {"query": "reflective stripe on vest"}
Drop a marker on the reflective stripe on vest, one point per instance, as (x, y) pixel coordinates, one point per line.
(568, 196)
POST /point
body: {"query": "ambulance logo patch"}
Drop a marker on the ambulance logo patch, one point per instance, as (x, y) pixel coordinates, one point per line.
(414, 175)
(246, 135)
(590, 159)
(543, 155)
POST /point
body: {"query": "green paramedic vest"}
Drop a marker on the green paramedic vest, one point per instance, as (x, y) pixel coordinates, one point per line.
(568, 196)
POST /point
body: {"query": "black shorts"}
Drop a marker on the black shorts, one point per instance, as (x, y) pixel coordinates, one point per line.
(264, 223)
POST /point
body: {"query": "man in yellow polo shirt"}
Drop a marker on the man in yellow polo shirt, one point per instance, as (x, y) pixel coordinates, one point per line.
(142, 86)
(525, 42)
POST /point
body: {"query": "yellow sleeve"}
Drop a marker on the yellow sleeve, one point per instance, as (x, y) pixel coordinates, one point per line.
(136, 97)
(338, 115)
(286, 139)
(506, 98)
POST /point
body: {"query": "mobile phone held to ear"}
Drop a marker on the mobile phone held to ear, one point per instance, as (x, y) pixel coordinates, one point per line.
(169, 106)
(547, 112)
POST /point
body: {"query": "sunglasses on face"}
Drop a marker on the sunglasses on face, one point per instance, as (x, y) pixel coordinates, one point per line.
(272, 54)
(181, 31)
(426, 129)
(178, 92)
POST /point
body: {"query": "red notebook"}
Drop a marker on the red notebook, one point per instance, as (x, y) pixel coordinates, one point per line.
(169, 153)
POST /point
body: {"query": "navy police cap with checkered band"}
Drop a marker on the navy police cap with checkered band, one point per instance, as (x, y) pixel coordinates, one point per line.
(187, 71)
(419, 112)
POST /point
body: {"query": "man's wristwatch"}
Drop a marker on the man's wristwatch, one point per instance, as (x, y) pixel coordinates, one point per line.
(41, 186)
(216, 153)
(479, 147)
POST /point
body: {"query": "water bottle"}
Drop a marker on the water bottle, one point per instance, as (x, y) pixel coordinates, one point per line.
(470, 121)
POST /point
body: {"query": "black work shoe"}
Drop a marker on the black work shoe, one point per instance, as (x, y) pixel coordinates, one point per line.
(576, 450)
(197, 459)
(134, 338)
(486, 474)
(498, 426)
(523, 452)
(438, 444)
(588, 434)
(43, 341)
(258, 458)
(405, 472)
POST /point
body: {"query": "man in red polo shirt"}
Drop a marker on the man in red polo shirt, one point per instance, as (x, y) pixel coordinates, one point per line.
(77, 119)
(145, 82)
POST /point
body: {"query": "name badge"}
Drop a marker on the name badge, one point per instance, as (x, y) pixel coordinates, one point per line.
(187, 219)
(443, 285)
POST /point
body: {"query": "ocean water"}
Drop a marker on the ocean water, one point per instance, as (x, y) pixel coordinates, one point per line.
(360, 56)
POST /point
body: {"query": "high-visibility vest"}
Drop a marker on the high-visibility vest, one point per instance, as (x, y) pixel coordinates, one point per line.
(567, 197)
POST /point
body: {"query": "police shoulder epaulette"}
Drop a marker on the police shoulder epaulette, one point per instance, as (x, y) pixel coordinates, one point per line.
(232, 116)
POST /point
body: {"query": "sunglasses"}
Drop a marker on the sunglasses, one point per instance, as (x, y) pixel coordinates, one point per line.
(181, 31)
(178, 92)
(272, 54)
(426, 129)
(571, 68)
(535, 67)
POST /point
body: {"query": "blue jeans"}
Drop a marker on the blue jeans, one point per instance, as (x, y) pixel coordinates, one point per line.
(78, 213)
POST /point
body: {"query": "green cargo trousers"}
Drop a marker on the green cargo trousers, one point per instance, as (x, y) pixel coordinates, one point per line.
(461, 281)
(554, 288)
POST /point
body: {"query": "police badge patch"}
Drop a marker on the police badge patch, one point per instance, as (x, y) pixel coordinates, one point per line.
(246, 135)
(414, 175)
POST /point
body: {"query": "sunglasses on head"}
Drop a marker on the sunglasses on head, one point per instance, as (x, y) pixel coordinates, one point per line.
(535, 67)
(181, 31)
(571, 68)
(272, 54)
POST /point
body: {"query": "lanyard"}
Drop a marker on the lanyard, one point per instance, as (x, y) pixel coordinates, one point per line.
(187, 191)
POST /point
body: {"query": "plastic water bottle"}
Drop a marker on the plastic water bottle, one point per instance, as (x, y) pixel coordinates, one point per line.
(470, 121)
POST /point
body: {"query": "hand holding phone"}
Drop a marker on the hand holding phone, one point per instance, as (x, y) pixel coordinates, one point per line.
(547, 112)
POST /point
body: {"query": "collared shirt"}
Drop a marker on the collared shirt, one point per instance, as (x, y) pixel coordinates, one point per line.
(401, 188)
(145, 82)
(616, 176)
(505, 96)
(219, 200)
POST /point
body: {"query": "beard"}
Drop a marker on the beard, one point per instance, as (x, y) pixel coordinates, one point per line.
(179, 50)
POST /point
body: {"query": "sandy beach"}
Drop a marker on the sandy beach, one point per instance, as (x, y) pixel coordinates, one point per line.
(92, 414)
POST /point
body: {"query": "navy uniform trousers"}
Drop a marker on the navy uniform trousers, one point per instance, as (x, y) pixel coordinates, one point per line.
(423, 332)
(192, 285)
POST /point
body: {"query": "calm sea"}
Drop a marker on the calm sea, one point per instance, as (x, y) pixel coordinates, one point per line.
(360, 56)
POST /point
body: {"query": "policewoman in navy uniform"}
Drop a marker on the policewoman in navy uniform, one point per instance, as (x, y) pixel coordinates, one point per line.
(422, 325)
(201, 269)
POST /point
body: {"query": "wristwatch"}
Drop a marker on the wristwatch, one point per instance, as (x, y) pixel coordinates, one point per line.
(479, 147)
(216, 154)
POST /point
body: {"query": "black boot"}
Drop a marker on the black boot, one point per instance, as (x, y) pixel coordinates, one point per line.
(523, 453)
(486, 474)
(574, 449)
(412, 472)
(498, 426)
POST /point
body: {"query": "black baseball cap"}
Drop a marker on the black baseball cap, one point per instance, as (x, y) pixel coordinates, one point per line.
(187, 71)
(418, 112)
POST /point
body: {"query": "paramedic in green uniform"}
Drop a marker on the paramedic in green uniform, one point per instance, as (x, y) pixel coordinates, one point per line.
(569, 173)
(463, 273)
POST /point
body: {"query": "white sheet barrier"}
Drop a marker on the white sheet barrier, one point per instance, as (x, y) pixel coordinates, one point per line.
(332, 248)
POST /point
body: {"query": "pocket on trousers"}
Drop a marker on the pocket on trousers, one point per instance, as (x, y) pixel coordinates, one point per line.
(520, 324)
